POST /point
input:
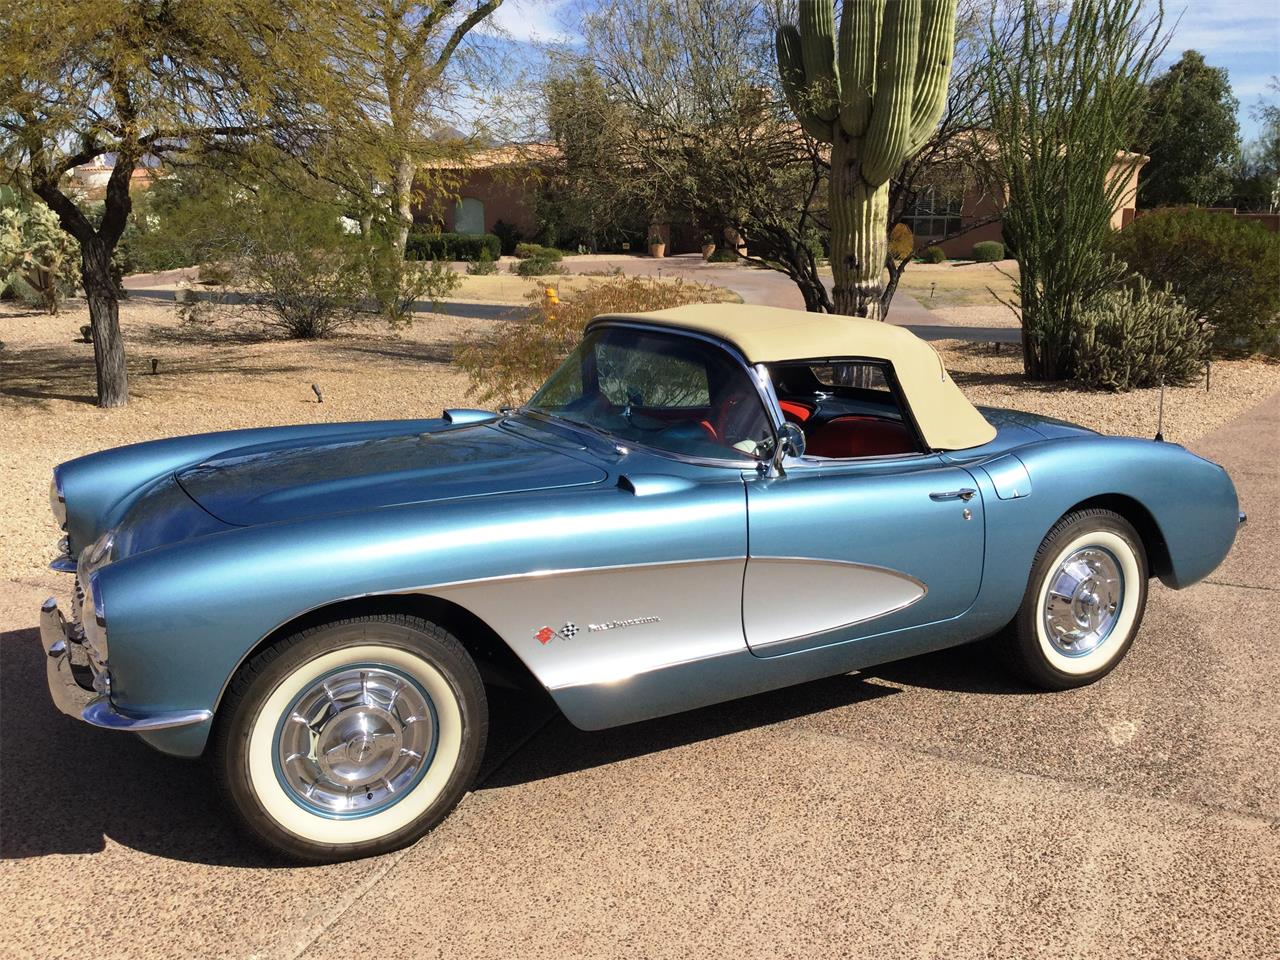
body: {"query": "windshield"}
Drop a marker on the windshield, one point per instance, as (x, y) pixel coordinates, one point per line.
(662, 390)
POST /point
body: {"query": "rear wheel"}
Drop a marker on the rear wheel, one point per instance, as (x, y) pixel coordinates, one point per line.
(352, 738)
(1084, 602)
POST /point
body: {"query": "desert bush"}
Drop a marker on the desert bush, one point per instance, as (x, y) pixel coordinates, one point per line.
(723, 255)
(424, 244)
(508, 236)
(482, 266)
(988, 251)
(528, 251)
(902, 242)
(513, 362)
(398, 285)
(1138, 335)
(308, 275)
(39, 261)
(537, 267)
(934, 255)
(1226, 269)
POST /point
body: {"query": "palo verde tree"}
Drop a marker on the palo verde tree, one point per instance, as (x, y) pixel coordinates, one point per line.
(130, 81)
(1067, 103)
(396, 61)
(875, 96)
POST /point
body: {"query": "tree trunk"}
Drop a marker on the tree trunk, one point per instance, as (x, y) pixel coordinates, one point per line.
(404, 201)
(104, 316)
(859, 234)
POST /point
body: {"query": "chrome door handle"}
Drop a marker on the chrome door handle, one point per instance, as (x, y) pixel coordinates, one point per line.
(965, 494)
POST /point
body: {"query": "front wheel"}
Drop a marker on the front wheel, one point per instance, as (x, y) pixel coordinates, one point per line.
(352, 738)
(1084, 601)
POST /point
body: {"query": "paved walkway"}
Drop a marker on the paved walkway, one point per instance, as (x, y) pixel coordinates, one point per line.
(928, 808)
(755, 285)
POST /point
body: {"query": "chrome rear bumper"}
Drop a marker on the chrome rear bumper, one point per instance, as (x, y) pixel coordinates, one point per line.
(93, 704)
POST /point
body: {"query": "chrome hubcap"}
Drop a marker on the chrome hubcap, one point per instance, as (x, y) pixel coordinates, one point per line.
(1083, 601)
(355, 741)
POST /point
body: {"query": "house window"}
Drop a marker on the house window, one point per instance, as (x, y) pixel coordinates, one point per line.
(469, 216)
(934, 215)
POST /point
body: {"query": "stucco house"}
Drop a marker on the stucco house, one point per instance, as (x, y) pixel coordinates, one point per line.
(501, 184)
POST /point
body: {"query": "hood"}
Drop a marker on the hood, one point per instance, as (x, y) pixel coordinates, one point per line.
(293, 480)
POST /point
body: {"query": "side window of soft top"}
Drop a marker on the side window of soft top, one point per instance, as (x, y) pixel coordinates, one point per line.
(848, 409)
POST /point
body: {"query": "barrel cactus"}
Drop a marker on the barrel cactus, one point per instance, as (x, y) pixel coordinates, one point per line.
(875, 96)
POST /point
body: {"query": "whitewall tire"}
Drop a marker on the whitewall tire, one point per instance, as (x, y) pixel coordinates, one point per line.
(1084, 600)
(351, 738)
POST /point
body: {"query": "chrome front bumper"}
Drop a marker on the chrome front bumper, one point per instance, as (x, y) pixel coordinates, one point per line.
(92, 704)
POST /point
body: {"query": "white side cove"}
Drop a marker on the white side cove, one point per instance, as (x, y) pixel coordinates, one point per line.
(787, 598)
(606, 624)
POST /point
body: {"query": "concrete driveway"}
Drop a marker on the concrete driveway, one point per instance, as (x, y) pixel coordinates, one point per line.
(930, 808)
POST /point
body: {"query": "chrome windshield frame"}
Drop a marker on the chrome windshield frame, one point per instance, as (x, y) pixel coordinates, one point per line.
(756, 375)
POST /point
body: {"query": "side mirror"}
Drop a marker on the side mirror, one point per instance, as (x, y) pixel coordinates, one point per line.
(790, 444)
(792, 440)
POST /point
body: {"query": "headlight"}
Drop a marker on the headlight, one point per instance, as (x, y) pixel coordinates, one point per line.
(57, 501)
(100, 551)
(95, 618)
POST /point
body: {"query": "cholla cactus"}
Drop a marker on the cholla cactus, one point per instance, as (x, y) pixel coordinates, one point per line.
(876, 99)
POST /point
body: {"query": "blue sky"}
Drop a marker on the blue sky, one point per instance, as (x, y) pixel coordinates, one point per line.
(1241, 35)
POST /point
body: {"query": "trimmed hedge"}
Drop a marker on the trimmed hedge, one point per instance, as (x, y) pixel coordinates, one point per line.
(425, 245)
(526, 251)
(537, 267)
(934, 255)
(723, 255)
(988, 251)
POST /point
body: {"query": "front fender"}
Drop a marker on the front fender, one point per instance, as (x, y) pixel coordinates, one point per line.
(182, 618)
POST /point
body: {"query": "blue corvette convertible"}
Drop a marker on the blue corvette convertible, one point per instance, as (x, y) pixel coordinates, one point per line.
(700, 504)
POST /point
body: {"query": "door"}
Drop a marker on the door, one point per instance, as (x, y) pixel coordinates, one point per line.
(844, 550)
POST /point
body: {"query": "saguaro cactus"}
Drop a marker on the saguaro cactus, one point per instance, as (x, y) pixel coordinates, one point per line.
(875, 98)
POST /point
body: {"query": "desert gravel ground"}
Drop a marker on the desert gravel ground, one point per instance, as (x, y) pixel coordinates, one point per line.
(928, 808)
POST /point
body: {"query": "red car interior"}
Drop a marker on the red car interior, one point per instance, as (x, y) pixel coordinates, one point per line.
(854, 436)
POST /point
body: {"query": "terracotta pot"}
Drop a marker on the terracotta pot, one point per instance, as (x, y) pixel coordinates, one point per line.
(657, 250)
(707, 250)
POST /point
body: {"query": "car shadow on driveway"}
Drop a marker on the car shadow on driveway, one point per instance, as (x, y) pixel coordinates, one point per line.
(66, 787)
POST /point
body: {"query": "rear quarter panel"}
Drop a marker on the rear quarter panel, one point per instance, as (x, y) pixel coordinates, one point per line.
(1190, 501)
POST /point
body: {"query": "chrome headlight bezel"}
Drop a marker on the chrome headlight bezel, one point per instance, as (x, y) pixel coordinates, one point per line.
(94, 620)
(58, 500)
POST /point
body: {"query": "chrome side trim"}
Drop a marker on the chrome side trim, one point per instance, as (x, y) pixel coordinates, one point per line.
(838, 594)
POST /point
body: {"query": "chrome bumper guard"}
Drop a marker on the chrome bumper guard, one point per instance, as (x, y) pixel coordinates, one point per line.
(91, 705)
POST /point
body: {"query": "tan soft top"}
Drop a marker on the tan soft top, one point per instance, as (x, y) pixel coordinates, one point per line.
(772, 335)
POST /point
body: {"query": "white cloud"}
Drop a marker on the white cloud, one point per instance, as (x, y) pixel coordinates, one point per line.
(533, 21)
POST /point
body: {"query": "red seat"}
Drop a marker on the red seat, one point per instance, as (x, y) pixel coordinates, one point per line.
(853, 436)
(794, 411)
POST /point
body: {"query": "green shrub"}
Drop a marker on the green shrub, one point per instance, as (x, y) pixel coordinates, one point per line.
(526, 251)
(1137, 335)
(423, 244)
(1226, 269)
(538, 267)
(398, 285)
(308, 276)
(510, 364)
(934, 255)
(723, 255)
(988, 251)
(508, 235)
(482, 266)
(39, 260)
